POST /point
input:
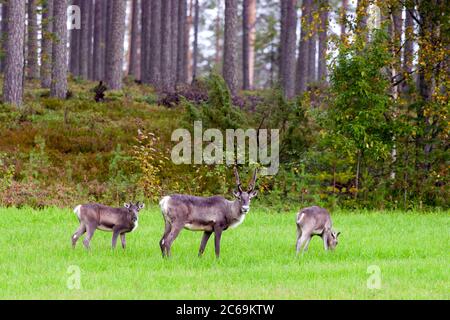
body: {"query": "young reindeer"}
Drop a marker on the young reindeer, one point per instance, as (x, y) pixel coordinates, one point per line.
(97, 216)
(313, 221)
(212, 214)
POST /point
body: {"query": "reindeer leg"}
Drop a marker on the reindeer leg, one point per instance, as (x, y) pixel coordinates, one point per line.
(299, 234)
(80, 231)
(116, 233)
(205, 239)
(122, 239)
(162, 242)
(302, 243)
(176, 228)
(217, 236)
(90, 232)
(325, 241)
(305, 247)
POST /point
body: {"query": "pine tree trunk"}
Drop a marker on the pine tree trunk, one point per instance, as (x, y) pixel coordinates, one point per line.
(4, 28)
(289, 39)
(99, 39)
(408, 50)
(303, 59)
(32, 53)
(145, 40)
(115, 49)
(75, 48)
(195, 44)
(155, 44)
(166, 45)
(13, 82)
(230, 45)
(312, 55)
(108, 34)
(218, 32)
(135, 40)
(174, 42)
(322, 72)
(182, 51)
(59, 54)
(91, 38)
(248, 45)
(47, 43)
(84, 40)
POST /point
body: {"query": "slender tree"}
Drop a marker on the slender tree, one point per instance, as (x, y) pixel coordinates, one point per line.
(155, 43)
(90, 41)
(13, 82)
(83, 54)
(99, 39)
(195, 44)
(32, 52)
(59, 55)
(47, 31)
(145, 40)
(135, 40)
(361, 17)
(230, 45)
(108, 34)
(115, 49)
(343, 19)
(248, 45)
(75, 47)
(174, 42)
(408, 51)
(182, 58)
(4, 28)
(166, 45)
(323, 12)
(312, 55)
(303, 52)
(288, 43)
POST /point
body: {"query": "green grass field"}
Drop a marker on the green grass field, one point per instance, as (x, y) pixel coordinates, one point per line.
(257, 259)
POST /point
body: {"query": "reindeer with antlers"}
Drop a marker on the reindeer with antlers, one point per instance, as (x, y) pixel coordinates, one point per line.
(211, 214)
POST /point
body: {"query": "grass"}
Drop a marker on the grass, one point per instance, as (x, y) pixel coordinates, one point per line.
(257, 259)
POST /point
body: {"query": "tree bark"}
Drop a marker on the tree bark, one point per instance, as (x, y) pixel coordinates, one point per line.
(248, 45)
(166, 45)
(99, 39)
(312, 55)
(75, 48)
(174, 42)
(115, 48)
(182, 50)
(155, 44)
(32, 53)
(218, 32)
(303, 59)
(59, 54)
(4, 26)
(108, 34)
(145, 40)
(90, 41)
(135, 40)
(195, 44)
(230, 45)
(84, 40)
(343, 20)
(289, 28)
(47, 43)
(13, 82)
(361, 17)
(322, 71)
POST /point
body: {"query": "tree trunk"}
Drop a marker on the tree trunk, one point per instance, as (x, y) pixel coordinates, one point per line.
(46, 56)
(135, 40)
(195, 45)
(145, 40)
(32, 53)
(108, 34)
(218, 32)
(90, 42)
(361, 17)
(303, 59)
(155, 44)
(174, 42)
(166, 45)
(408, 50)
(59, 54)
(84, 40)
(343, 20)
(182, 50)
(248, 45)
(4, 27)
(114, 71)
(312, 55)
(13, 82)
(75, 48)
(288, 43)
(230, 45)
(99, 39)
(322, 72)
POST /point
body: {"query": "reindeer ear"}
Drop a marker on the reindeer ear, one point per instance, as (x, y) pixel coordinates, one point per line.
(236, 193)
(254, 193)
(337, 234)
(141, 206)
(126, 205)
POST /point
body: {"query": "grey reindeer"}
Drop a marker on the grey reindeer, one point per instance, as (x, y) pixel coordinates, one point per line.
(97, 216)
(208, 214)
(313, 221)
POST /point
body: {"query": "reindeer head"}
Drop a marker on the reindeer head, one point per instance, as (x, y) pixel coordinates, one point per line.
(245, 196)
(333, 239)
(134, 208)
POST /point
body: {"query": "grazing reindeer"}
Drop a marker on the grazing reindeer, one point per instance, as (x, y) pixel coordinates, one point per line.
(212, 214)
(97, 216)
(313, 221)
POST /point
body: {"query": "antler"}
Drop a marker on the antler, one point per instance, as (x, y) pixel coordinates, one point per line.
(238, 181)
(252, 183)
